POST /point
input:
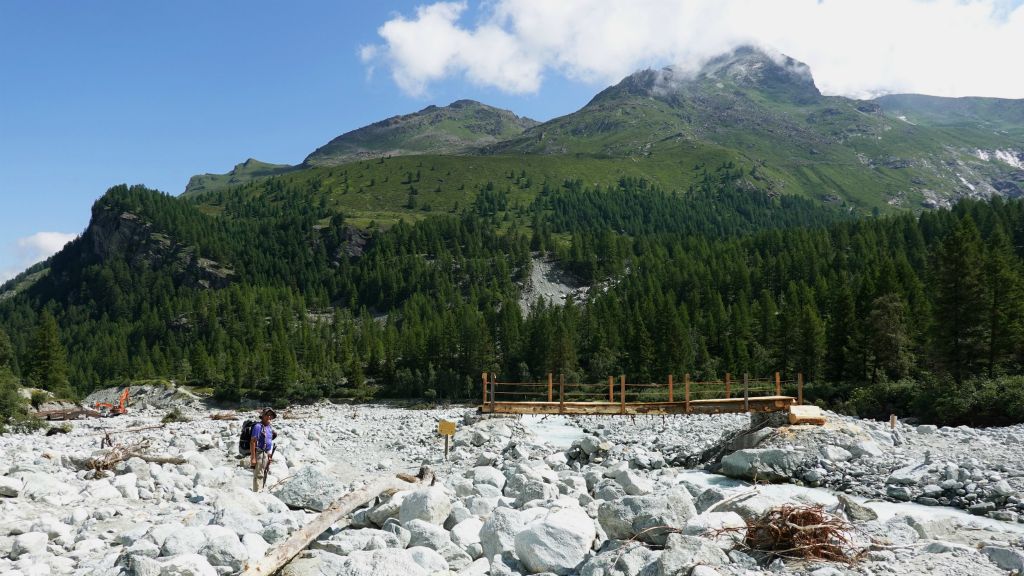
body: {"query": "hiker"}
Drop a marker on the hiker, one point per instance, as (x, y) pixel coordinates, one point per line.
(261, 445)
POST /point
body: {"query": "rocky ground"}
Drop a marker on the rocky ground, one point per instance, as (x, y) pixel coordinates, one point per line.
(589, 496)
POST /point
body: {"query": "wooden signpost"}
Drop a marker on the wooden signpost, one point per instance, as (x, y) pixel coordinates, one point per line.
(446, 429)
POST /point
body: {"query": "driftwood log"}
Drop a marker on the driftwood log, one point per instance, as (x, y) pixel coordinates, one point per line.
(282, 554)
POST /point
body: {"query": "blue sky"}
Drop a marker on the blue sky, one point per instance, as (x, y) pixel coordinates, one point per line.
(94, 94)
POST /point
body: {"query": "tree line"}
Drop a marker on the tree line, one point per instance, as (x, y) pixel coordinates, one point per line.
(916, 314)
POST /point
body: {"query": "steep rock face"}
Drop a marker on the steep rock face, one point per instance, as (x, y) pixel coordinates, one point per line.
(114, 233)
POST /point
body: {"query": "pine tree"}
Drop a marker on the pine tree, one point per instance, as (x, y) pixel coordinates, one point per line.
(810, 350)
(7, 359)
(1004, 314)
(958, 326)
(48, 367)
(841, 325)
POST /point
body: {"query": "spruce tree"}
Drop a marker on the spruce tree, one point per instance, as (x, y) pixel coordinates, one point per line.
(48, 367)
(958, 325)
(1004, 308)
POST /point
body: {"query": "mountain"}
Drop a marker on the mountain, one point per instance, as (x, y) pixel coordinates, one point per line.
(766, 109)
(459, 128)
(748, 106)
(244, 172)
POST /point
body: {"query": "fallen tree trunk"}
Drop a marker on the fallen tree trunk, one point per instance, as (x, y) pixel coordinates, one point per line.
(297, 542)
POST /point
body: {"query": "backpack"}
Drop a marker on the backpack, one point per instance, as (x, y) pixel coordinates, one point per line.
(245, 437)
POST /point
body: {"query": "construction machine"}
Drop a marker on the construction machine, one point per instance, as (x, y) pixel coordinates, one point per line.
(108, 409)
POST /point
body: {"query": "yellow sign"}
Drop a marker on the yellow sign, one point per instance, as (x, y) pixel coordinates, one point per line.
(446, 428)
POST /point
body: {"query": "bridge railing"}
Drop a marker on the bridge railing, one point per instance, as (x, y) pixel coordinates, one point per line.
(617, 390)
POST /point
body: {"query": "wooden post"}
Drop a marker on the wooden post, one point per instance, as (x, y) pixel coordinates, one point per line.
(550, 385)
(561, 393)
(800, 388)
(670, 388)
(281, 554)
(728, 381)
(494, 384)
(746, 392)
(483, 376)
(611, 389)
(446, 447)
(622, 394)
(778, 385)
(686, 384)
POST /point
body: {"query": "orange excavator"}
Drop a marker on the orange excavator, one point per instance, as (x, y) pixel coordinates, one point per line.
(108, 409)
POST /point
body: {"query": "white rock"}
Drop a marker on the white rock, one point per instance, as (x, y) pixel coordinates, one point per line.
(386, 562)
(488, 475)
(428, 504)
(467, 532)
(187, 540)
(223, 547)
(498, 533)
(10, 487)
(255, 546)
(559, 543)
(428, 559)
(187, 565)
(127, 485)
(29, 543)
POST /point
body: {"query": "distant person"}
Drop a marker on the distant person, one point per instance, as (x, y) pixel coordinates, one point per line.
(261, 447)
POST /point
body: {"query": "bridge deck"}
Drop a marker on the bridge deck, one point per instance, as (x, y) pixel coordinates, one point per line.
(707, 406)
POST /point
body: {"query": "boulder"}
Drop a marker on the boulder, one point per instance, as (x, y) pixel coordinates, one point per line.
(10, 487)
(255, 546)
(187, 565)
(29, 543)
(1006, 558)
(346, 542)
(498, 533)
(188, 540)
(683, 552)
(488, 475)
(423, 533)
(309, 488)
(806, 414)
(855, 511)
(385, 562)
(223, 547)
(765, 464)
(428, 559)
(836, 453)
(633, 484)
(908, 475)
(706, 525)
(646, 518)
(467, 532)
(427, 504)
(631, 559)
(559, 543)
(389, 508)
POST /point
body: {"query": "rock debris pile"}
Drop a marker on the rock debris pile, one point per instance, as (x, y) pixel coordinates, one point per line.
(585, 496)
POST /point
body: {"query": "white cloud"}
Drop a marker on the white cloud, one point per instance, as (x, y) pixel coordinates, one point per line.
(854, 47)
(28, 250)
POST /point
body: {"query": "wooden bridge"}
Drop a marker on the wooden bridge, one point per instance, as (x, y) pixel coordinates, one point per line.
(624, 398)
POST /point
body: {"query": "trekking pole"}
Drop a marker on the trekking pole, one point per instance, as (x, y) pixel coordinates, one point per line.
(266, 471)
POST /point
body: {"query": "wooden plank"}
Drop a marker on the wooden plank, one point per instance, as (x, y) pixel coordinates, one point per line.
(622, 393)
(561, 392)
(711, 406)
(283, 553)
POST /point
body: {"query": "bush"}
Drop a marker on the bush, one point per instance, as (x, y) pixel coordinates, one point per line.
(39, 397)
(13, 408)
(174, 415)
